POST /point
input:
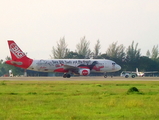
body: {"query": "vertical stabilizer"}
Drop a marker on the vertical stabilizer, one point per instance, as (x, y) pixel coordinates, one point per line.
(18, 57)
(137, 72)
(15, 51)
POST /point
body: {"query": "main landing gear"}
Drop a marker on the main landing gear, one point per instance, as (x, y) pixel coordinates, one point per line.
(66, 75)
(105, 75)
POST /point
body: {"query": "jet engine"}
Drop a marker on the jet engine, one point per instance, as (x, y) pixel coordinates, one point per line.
(84, 72)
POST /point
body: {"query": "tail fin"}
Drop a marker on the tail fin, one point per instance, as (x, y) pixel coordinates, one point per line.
(19, 58)
(137, 72)
(15, 51)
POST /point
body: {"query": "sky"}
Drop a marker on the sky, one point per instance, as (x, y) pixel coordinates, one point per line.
(37, 25)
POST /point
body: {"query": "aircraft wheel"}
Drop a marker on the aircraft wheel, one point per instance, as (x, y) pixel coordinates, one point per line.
(105, 76)
(64, 75)
(68, 75)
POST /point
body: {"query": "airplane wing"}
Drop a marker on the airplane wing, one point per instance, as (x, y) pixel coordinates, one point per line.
(74, 69)
(71, 68)
(68, 67)
(151, 72)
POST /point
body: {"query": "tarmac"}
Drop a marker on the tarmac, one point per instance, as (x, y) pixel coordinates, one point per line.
(80, 78)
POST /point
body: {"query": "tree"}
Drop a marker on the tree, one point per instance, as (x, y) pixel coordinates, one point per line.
(148, 53)
(82, 48)
(73, 55)
(1, 61)
(155, 52)
(97, 47)
(116, 52)
(133, 55)
(8, 58)
(4, 68)
(61, 50)
(104, 56)
(147, 64)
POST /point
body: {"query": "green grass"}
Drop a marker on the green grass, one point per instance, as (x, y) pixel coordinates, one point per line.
(78, 100)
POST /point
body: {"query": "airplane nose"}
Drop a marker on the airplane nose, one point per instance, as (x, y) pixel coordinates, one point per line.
(118, 67)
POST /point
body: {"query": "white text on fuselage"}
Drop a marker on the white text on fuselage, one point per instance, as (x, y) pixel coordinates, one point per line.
(64, 62)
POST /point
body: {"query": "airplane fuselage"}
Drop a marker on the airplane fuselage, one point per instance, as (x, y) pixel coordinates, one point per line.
(62, 65)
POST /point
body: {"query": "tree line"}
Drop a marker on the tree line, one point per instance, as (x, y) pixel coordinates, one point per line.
(128, 57)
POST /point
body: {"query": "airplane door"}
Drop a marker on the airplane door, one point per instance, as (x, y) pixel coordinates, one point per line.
(106, 65)
(113, 66)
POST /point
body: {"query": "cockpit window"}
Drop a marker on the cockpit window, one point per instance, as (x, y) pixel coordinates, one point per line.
(113, 63)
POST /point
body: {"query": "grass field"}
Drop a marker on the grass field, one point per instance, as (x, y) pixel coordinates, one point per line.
(78, 100)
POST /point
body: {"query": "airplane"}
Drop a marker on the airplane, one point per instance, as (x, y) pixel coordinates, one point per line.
(141, 74)
(132, 74)
(81, 67)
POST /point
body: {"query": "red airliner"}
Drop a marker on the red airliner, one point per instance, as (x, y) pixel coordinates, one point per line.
(66, 66)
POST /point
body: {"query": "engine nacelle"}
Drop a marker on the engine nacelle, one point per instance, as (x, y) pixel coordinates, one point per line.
(84, 72)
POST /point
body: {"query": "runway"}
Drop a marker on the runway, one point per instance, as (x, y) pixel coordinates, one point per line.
(81, 78)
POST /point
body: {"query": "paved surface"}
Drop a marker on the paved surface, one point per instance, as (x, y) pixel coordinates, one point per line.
(81, 78)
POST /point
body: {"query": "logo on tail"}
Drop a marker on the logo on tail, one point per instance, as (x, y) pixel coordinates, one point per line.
(16, 50)
(19, 59)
